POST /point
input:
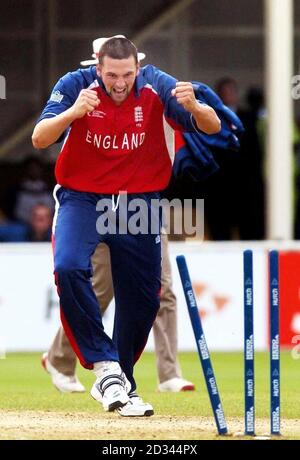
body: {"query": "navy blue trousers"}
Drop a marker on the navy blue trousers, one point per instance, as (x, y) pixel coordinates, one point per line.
(136, 271)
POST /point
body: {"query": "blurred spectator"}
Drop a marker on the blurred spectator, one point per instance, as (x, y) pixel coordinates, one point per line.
(227, 90)
(251, 203)
(37, 230)
(32, 190)
(40, 223)
(235, 194)
(221, 191)
(11, 232)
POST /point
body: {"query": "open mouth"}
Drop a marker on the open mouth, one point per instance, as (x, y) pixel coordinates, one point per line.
(119, 92)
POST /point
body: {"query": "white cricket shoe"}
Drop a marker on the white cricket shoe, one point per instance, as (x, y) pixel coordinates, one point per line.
(63, 383)
(110, 387)
(136, 407)
(175, 385)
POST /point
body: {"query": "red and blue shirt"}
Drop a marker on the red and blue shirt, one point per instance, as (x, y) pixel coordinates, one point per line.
(130, 147)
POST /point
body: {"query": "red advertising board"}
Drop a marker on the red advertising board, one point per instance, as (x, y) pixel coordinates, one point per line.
(289, 297)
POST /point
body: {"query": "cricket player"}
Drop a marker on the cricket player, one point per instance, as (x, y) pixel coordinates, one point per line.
(60, 360)
(120, 138)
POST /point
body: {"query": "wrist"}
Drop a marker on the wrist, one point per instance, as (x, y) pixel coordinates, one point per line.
(196, 109)
(70, 115)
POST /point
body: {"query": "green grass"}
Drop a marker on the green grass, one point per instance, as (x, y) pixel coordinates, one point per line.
(24, 385)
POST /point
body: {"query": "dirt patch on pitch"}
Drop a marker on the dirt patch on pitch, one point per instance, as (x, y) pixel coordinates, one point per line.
(102, 426)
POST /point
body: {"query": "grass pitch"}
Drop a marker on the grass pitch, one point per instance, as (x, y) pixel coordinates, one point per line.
(31, 408)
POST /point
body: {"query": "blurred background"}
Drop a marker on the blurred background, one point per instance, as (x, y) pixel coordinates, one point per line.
(247, 52)
(223, 43)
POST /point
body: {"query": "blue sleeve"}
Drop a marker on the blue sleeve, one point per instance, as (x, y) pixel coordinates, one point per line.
(63, 96)
(194, 159)
(163, 84)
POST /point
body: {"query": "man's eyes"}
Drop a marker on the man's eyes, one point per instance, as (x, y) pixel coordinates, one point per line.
(110, 75)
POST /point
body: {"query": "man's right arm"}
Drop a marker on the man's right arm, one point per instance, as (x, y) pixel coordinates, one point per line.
(48, 130)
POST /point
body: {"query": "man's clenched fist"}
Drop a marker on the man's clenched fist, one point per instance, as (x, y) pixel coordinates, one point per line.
(86, 102)
(185, 95)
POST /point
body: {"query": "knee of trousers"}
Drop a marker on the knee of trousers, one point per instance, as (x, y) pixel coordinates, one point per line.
(68, 268)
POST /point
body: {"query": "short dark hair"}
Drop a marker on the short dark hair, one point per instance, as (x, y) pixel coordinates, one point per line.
(118, 48)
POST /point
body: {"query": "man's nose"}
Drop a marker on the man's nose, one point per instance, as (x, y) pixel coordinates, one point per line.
(120, 83)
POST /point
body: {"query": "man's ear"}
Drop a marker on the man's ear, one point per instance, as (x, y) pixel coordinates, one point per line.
(98, 70)
(138, 66)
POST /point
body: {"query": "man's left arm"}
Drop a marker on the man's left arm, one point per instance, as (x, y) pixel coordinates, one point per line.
(205, 117)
